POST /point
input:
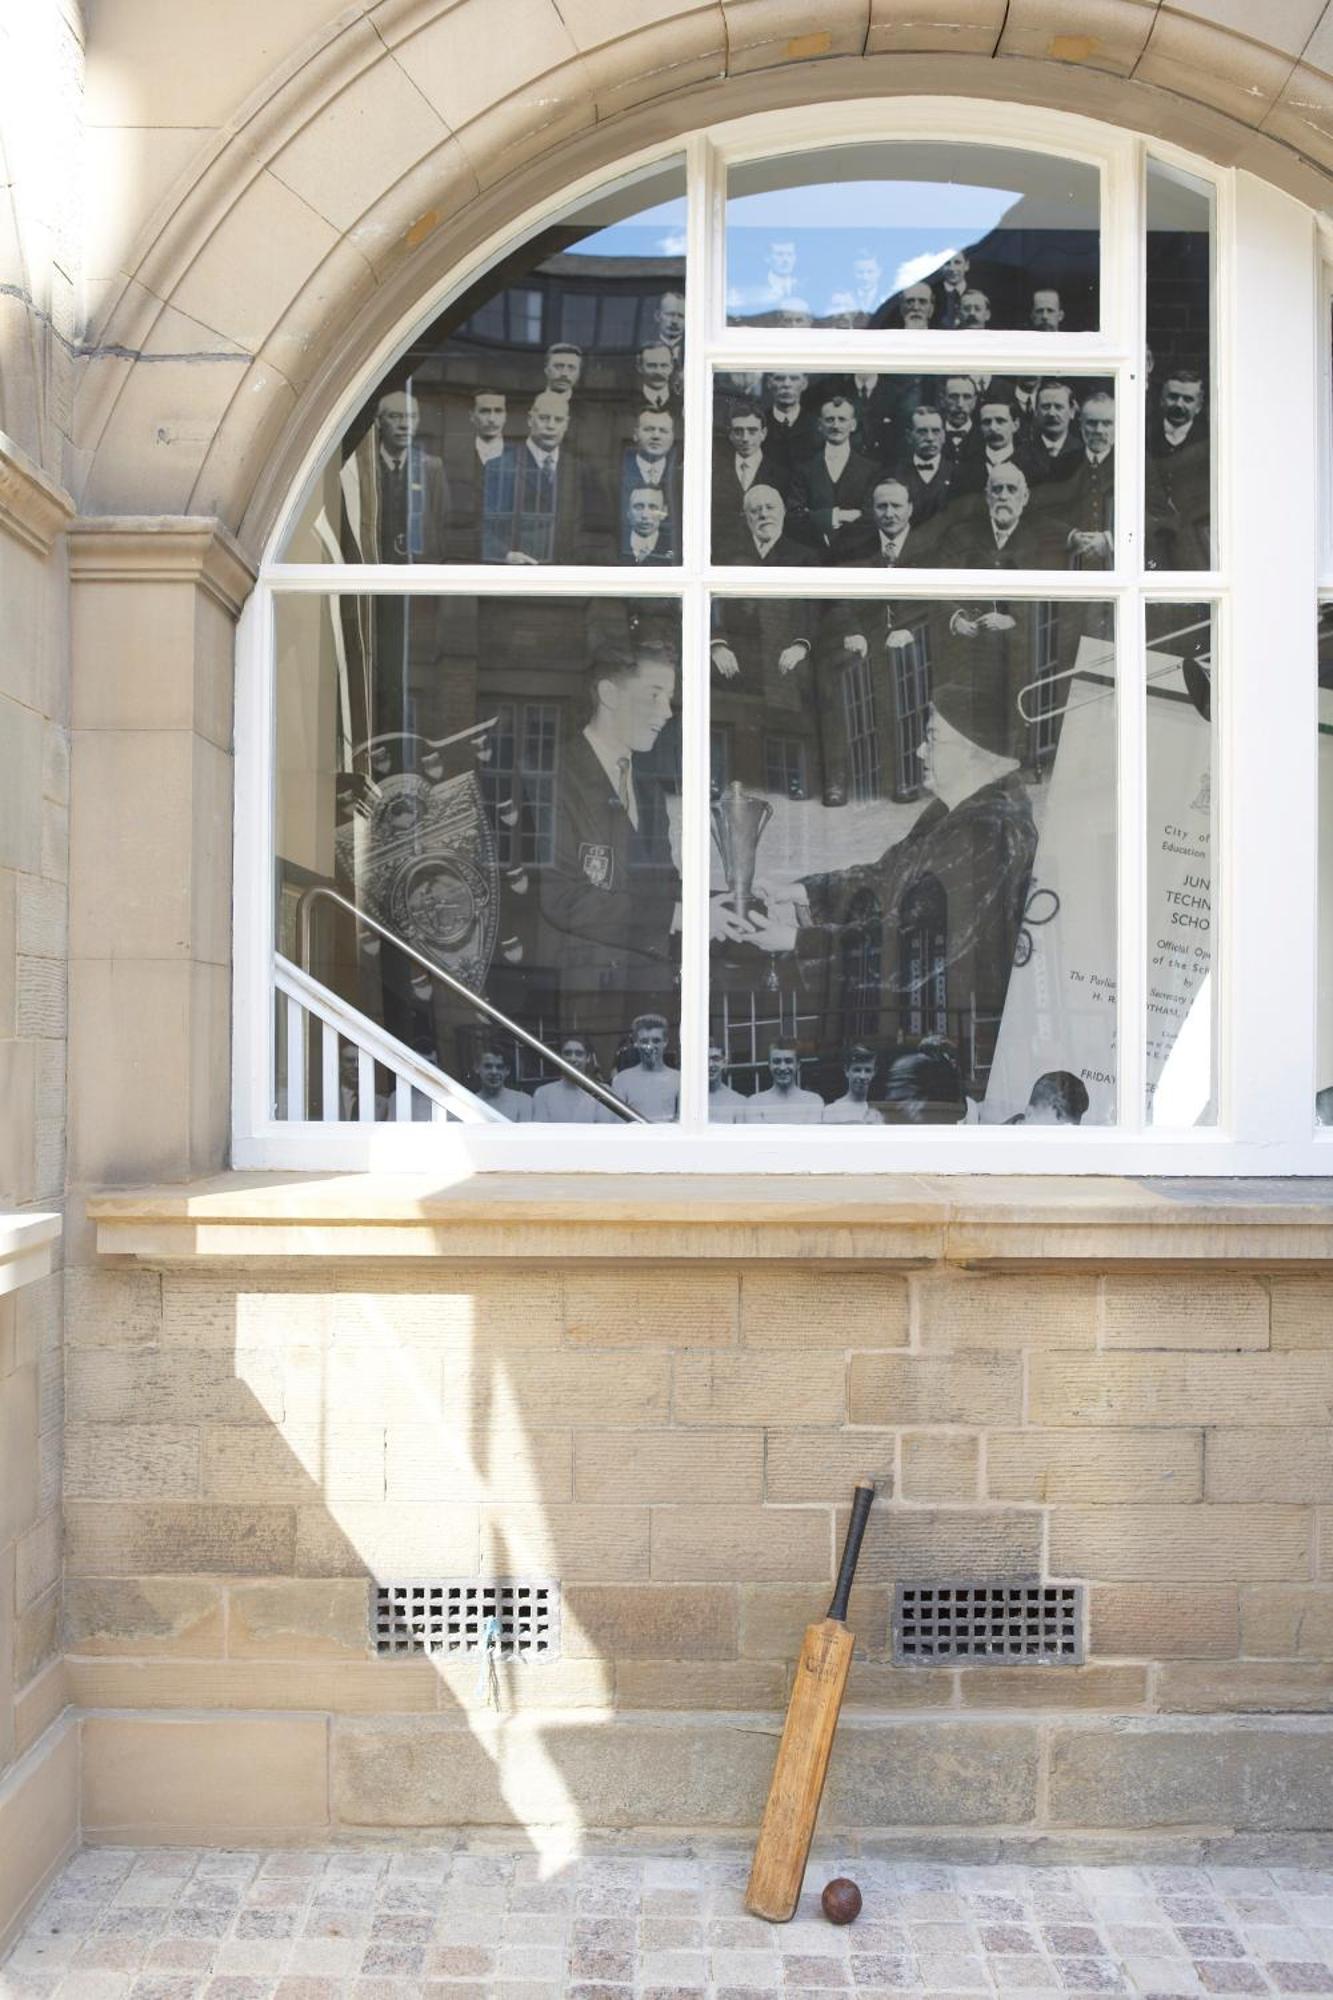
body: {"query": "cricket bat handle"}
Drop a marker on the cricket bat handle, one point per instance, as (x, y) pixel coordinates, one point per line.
(862, 1499)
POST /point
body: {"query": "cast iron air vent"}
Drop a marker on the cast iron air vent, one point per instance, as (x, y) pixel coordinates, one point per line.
(945, 1624)
(451, 1616)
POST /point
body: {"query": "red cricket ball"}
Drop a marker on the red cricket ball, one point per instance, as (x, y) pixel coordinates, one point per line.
(841, 1900)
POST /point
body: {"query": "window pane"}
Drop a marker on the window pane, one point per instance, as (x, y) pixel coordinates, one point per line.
(908, 926)
(915, 471)
(1324, 1034)
(1178, 499)
(914, 235)
(495, 783)
(521, 424)
(1182, 1037)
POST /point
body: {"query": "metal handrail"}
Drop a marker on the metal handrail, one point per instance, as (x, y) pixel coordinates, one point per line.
(607, 1097)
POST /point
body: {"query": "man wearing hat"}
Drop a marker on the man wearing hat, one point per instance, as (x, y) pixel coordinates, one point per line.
(973, 844)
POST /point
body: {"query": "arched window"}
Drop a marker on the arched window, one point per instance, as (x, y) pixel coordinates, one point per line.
(799, 600)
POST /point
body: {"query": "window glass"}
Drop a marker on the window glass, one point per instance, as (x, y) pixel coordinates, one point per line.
(909, 926)
(1178, 498)
(1182, 1000)
(494, 785)
(529, 421)
(962, 471)
(921, 235)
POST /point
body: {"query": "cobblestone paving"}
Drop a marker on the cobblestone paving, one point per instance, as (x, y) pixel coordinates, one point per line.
(472, 1922)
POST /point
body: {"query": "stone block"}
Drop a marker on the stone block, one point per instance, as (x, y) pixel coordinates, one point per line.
(801, 1308)
(463, 68)
(231, 286)
(774, 1618)
(366, 1687)
(694, 1684)
(360, 143)
(40, 999)
(132, 1462)
(388, 1541)
(37, 1561)
(1206, 1544)
(39, 1824)
(642, 1306)
(1103, 34)
(764, 33)
(112, 1308)
(1176, 1389)
(513, 1466)
(43, 917)
(299, 1463)
(956, 1309)
(649, 1621)
(966, 27)
(477, 1311)
(1286, 1621)
(562, 1388)
(1270, 1463)
(584, 1544)
(205, 1310)
(1093, 1686)
(9, 882)
(1244, 1687)
(299, 1619)
(116, 1385)
(758, 1388)
(36, 1637)
(133, 1118)
(1169, 1310)
(55, 841)
(973, 1771)
(18, 1453)
(1098, 1468)
(7, 1634)
(874, 1684)
(507, 1771)
(941, 1465)
(147, 1617)
(951, 1544)
(217, 1781)
(18, 1122)
(710, 1467)
(762, 1544)
(20, 788)
(521, 1685)
(812, 1466)
(132, 869)
(1253, 1776)
(1233, 73)
(168, 1538)
(1163, 1621)
(935, 1389)
(1301, 1310)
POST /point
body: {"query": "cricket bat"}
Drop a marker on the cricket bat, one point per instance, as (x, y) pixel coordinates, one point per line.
(807, 1739)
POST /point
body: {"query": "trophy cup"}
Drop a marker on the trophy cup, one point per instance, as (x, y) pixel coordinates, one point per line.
(739, 818)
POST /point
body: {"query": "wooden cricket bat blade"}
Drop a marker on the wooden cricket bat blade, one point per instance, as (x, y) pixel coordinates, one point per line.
(788, 1826)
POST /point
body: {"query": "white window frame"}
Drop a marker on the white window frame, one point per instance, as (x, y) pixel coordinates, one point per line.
(1268, 331)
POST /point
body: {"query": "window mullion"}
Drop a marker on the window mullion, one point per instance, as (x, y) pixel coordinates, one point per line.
(1268, 831)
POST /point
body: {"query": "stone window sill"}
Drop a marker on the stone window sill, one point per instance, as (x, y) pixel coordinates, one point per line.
(879, 1219)
(27, 1246)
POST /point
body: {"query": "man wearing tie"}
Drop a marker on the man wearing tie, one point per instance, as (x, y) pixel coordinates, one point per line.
(654, 368)
(481, 469)
(739, 464)
(649, 536)
(953, 290)
(405, 520)
(792, 432)
(927, 475)
(551, 503)
(962, 439)
(888, 539)
(832, 488)
(651, 461)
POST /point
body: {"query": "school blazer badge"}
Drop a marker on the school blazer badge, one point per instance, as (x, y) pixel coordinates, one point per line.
(597, 863)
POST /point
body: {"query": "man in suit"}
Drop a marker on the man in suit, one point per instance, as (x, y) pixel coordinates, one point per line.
(997, 420)
(651, 460)
(878, 401)
(962, 439)
(1179, 487)
(742, 462)
(765, 539)
(563, 367)
(559, 515)
(832, 488)
(647, 530)
(793, 432)
(1053, 448)
(402, 503)
(1082, 505)
(952, 290)
(654, 369)
(886, 537)
(608, 899)
(892, 637)
(480, 467)
(925, 472)
(758, 645)
(671, 333)
(912, 309)
(995, 531)
(974, 309)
